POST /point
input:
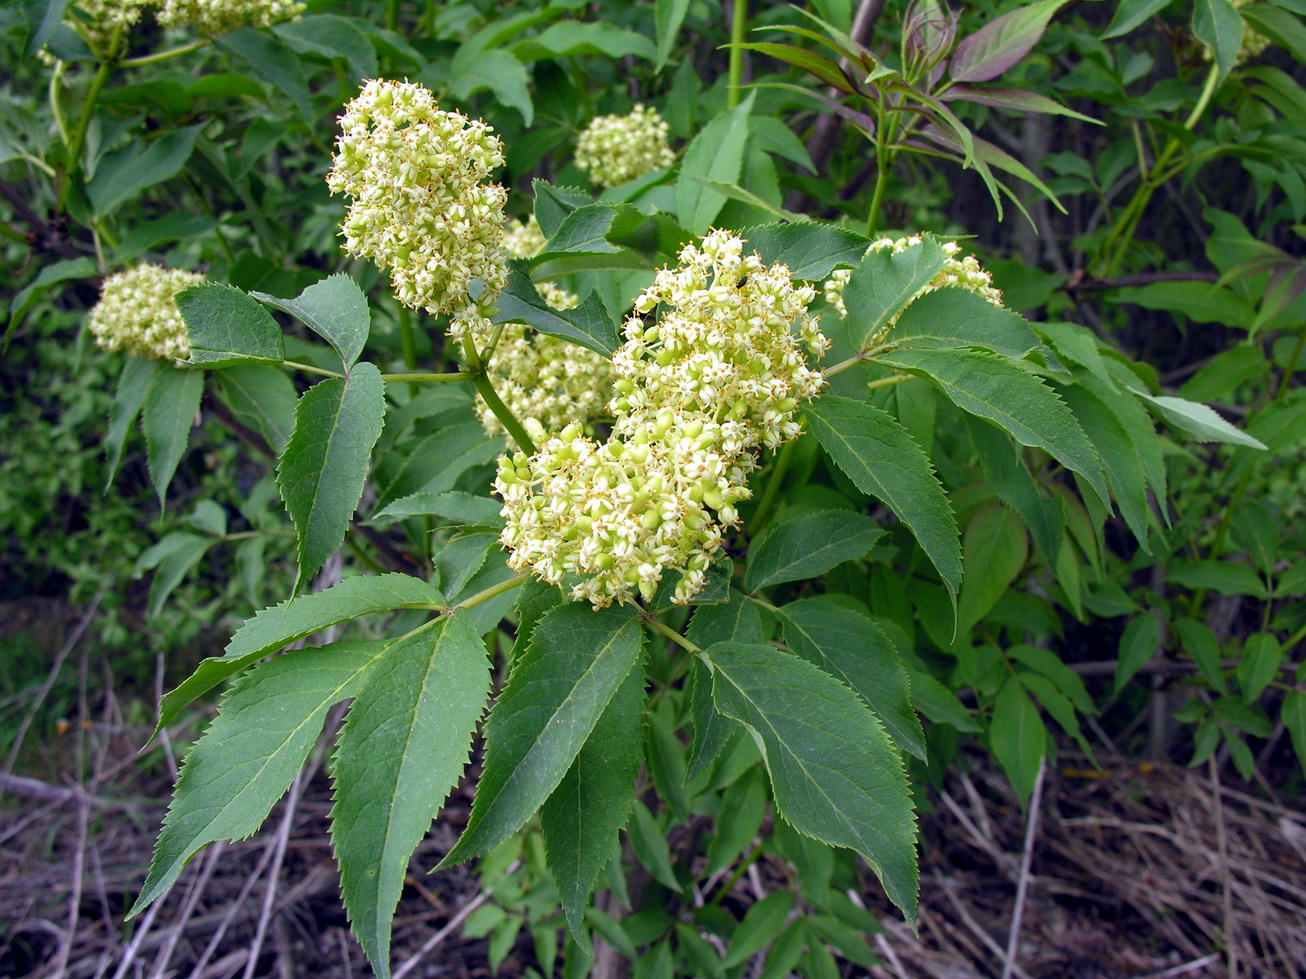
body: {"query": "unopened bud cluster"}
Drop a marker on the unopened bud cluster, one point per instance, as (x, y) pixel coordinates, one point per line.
(539, 376)
(964, 273)
(422, 206)
(216, 17)
(617, 149)
(107, 22)
(137, 313)
(717, 377)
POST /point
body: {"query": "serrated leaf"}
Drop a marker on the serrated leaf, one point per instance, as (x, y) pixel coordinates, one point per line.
(322, 470)
(583, 816)
(668, 15)
(955, 317)
(1017, 737)
(588, 324)
(1199, 422)
(402, 748)
(273, 62)
(262, 398)
(1138, 644)
(1001, 43)
(127, 171)
(811, 251)
(234, 774)
(173, 558)
(1261, 658)
(738, 620)
(1015, 400)
(497, 70)
(1011, 481)
(711, 730)
(555, 694)
(433, 465)
(27, 297)
(553, 204)
(994, 548)
(885, 282)
(461, 559)
(226, 327)
(836, 776)
(455, 506)
(42, 16)
(883, 460)
(1218, 25)
(716, 153)
(1129, 14)
(1050, 665)
(573, 37)
(133, 386)
(762, 922)
(1224, 576)
(292, 620)
(332, 36)
(848, 645)
(1119, 454)
(808, 545)
(168, 415)
(335, 309)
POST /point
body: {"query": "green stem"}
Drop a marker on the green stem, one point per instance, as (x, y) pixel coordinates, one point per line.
(738, 28)
(503, 413)
(309, 368)
(652, 622)
(56, 108)
(773, 483)
(742, 869)
(884, 382)
(406, 338)
(486, 594)
(391, 14)
(420, 378)
(79, 136)
(177, 52)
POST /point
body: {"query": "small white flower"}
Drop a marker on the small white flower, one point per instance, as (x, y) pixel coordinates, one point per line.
(136, 312)
(616, 149)
(215, 17)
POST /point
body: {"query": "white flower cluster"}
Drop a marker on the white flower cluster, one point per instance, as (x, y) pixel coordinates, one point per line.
(214, 17)
(966, 273)
(617, 149)
(718, 376)
(136, 312)
(421, 205)
(539, 376)
(107, 20)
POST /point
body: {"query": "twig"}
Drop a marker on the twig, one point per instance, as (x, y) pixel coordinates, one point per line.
(1226, 896)
(188, 909)
(274, 872)
(431, 943)
(1031, 831)
(1185, 969)
(883, 945)
(949, 890)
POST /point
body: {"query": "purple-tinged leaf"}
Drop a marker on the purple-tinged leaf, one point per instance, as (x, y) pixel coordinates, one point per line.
(822, 67)
(1000, 44)
(1012, 98)
(995, 156)
(864, 123)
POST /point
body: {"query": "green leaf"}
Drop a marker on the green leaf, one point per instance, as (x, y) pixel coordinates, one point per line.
(272, 61)
(883, 460)
(716, 153)
(743, 807)
(1293, 714)
(1015, 400)
(1279, 25)
(133, 385)
(145, 237)
(454, 505)
(1050, 665)
(1011, 481)
(575, 38)
(402, 748)
(322, 470)
(738, 620)
(849, 646)
(174, 557)
(125, 172)
(42, 17)
(1218, 25)
(226, 327)
(762, 922)
(1015, 99)
(1202, 302)
(30, 294)
(588, 324)
(583, 816)
(292, 620)
(1119, 453)
(1138, 645)
(1017, 737)
(555, 694)
(955, 317)
(1001, 43)
(711, 730)
(168, 415)
(266, 724)
(431, 468)
(1052, 700)
(1130, 13)
(460, 559)
(1261, 658)
(808, 545)
(836, 775)
(1199, 422)
(335, 309)
(262, 398)
(994, 549)
(811, 251)
(937, 702)
(826, 69)
(497, 70)
(885, 282)
(332, 36)
(1223, 576)
(553, 204)
(668, 15)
